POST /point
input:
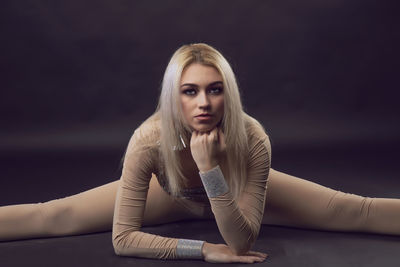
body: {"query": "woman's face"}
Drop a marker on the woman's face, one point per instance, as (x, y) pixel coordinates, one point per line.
(202, 97)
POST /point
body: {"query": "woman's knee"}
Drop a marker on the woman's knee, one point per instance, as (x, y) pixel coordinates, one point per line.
(58, 217)
(348, 211)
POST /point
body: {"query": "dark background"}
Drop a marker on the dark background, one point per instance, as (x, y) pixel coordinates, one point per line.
(77, 77)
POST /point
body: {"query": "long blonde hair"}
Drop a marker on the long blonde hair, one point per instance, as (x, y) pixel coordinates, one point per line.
(174, 128)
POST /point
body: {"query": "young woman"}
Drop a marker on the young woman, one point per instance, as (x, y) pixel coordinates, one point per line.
(199, 156)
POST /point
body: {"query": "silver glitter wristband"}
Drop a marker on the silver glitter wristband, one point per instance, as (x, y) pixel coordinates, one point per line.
(214, 182)
(189, 249)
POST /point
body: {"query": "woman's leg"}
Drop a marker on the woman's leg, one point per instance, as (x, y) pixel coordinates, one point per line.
(87, 212)
(292, 201)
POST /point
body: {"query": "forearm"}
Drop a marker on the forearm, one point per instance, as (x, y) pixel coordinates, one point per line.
(144, 245)
(129, 240)
(237, 230)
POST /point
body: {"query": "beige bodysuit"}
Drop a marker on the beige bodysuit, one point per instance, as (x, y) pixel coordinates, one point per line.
(238, 220)
(141, 200)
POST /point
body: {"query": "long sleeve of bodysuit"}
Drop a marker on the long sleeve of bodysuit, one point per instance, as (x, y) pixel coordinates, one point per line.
(128, 240)
(239, 221)
(139, 164)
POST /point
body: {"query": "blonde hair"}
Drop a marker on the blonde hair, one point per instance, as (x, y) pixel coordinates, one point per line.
(173, 125)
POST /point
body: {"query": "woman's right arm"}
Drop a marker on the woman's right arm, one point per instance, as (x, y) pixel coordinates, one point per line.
(127, 238)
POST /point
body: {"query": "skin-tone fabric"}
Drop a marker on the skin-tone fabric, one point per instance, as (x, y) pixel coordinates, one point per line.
(290, 201)
(142, 160)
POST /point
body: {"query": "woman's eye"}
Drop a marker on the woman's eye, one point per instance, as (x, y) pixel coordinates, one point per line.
(189, 92)
(216, 90)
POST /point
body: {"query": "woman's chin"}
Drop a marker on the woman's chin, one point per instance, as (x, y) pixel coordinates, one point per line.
(203, 128)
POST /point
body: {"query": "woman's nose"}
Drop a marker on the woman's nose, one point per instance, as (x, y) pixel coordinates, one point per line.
(202, 100)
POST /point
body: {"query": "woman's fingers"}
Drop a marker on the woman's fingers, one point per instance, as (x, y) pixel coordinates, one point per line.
(213, 135)
(221, 253)
(248, 259)
(255, 253)
(207, 149)
(221, 136)
(210, 137)
(253, 256)
(194, 136)
(221, 140)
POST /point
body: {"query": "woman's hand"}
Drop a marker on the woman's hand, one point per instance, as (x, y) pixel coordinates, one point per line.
(220, 253)
(206, 148)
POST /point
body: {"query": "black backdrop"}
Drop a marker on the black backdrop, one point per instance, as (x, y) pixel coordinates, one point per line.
(306, 69)
(81, 75)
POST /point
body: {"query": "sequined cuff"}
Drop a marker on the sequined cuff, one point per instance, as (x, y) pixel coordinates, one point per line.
(189, 249)
(214, 182)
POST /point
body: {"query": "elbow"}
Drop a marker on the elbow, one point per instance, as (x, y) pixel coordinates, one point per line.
(119, 244)
(241, 247)
(116, 241)
(123, 243)
(117, 250)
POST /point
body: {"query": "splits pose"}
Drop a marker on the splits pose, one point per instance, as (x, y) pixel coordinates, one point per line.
(199, 156)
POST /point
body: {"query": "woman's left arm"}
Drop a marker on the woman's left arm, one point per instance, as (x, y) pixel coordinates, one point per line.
(238, 220)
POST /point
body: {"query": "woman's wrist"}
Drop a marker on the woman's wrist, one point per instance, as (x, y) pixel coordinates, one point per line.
(189, 249)
(214, 182)
(205, 249)
(207, 167)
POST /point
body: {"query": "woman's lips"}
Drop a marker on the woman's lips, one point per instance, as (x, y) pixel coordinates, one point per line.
(204, 117)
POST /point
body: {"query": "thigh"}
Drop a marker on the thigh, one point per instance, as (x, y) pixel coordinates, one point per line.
(162, 207)
(292, 201)
(88, 211)
(93, 210)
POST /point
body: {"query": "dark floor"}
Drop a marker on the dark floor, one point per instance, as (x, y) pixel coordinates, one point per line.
(285, 246)
(363, 170)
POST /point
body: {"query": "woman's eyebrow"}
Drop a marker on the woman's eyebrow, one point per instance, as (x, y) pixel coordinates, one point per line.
(195, 85)
(189, 84)
(215, 83)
